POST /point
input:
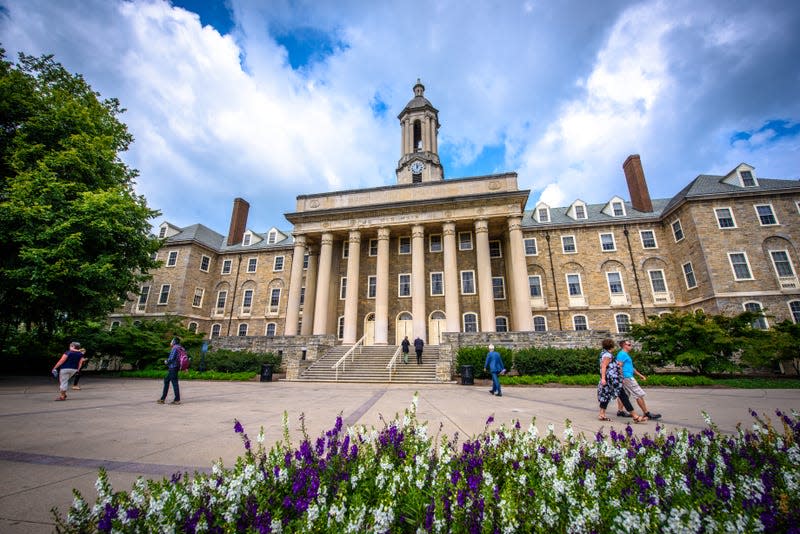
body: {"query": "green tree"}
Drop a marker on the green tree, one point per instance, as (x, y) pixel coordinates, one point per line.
(75, 236)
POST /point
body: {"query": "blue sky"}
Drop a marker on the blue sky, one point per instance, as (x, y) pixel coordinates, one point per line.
(267, 100)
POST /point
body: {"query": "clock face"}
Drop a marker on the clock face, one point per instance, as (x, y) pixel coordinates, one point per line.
(417, 167)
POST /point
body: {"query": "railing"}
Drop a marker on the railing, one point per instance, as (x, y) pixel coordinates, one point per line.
(393, 362)
(342, 361)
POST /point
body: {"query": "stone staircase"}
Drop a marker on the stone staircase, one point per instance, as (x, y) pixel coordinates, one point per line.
(370, 366)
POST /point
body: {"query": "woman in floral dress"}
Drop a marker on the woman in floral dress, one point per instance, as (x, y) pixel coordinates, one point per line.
(610, 385)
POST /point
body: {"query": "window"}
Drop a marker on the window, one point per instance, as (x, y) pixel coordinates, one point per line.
(172, 259)
(535, 286)
(623, 321)
(470, 322)
(794, 307)
(340, 328)
(725, 218)
(205, 262)
(270, 331)
(272, 237)
(246, 239)
(498, 288)
(747, 179)
(766, 215)
(574, 285)
(648, 239)
(114, 324)
(247, 300)
(274, 300)
(162, 232)
(226, 266)
(252, 265)
(761, 322)
(495, 250)
(782, 263)
(465, 241)
(740, 265)
(580, 211)
(677, 230)
(615, 283)
(163, 298)
(404, 245)
(437, 284)
(343, 288)
(305, 261)
(404, 285)
(277, 264)
(539, 323)
(215, 330)
(372, 285)
(543, 214)
(500, 324)
(197, 300)
(530, 247)
(568, 244)
(143, 294)
(580, 322)
(618, 208)
(373, 247)
(607, 243)
(467, 282)
(435, 243)
(688, 274)
(222, 296)
(302, 296)
(345, 249)
(242, 329)
(657, 281)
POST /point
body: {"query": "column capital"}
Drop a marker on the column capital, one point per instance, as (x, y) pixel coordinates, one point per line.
(300, 240)
(481, 226)
(383, 233)
(449, 228)
(417, 231)
(354, 237)
(514, 223)
(326, 239)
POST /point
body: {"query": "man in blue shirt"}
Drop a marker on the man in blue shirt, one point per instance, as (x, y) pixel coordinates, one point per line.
(494, 364)
(173, 366)
(632, 387)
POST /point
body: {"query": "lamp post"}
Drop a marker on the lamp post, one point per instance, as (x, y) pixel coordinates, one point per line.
(203, 351)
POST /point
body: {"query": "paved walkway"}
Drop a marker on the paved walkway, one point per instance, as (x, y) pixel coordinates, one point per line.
(48, 448)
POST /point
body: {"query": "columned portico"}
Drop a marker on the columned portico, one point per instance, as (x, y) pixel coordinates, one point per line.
(518, 279)
(351, 297)
(418, 281)
(451, 290)
(323, 285)
(311, 292)
(295, 284)
(382, 289)
(485, 294)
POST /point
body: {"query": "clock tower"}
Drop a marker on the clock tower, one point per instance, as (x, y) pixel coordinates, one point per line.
(419, 146)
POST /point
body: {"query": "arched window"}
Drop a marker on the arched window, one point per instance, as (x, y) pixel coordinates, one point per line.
(470, 322)
(193, 327)
(623, 322)
(215, 329)
(794, 307)
(115, 324)
(242, 329)
(580, 322)
(501, 324)
(340, 329)
(271, 329)
(539, 323)
(761, 322)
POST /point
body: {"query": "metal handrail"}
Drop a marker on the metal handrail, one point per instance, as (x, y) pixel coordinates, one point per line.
(357, 345)
(393, 362)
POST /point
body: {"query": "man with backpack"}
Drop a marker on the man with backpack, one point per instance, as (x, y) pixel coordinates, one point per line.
(173, 366)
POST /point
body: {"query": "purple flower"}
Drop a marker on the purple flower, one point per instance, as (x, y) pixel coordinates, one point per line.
(109, 514)
(490, 420)
(237, 426)
(724, 493)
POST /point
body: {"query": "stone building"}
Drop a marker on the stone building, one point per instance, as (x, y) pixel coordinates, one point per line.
(431, 255)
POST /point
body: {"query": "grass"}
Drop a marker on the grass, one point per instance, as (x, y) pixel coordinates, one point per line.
(662, 380)
(191, 374)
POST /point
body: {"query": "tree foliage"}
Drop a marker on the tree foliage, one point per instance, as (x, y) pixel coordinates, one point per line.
(75, 236)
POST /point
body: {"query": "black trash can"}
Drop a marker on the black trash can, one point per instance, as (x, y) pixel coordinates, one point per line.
(467, 375)
(266, 372)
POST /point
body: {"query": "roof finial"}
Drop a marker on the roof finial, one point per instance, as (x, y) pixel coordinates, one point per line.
(419, 89)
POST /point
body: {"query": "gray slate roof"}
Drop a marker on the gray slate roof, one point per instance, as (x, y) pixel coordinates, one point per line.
(217, 242)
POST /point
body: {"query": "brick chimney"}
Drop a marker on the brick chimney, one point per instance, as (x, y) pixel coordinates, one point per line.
(637, 186)
(238, 221)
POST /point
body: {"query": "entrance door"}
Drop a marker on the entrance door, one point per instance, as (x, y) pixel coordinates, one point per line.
(436, 325)
(369, 329)
(405, 327)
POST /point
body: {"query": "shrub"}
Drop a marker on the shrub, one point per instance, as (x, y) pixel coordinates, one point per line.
(476, 357)
(557, 361)
(236, 361)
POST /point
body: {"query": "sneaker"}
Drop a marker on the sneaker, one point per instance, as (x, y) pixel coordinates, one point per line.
(491, 391)
(175, 402)
(621, 413)
(76, 387)
(499, 395)
(653, 415)
(160, 401)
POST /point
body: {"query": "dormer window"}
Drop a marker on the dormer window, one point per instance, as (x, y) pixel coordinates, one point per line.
(580, 211)
(577, 210)
(272, 237)
(618, 209)
(246, 239)
(162, 233)
(748, 180)
(542, 213)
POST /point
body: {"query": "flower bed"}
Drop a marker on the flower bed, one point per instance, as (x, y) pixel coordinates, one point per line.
(507, 479)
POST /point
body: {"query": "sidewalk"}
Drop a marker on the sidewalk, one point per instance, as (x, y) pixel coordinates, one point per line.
(48, 448)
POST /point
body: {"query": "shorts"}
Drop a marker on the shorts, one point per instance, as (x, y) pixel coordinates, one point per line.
(632, 388)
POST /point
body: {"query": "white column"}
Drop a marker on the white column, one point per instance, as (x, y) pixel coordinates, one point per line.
(351, 297)
(295, 283)
(451, 275)
(323, 285)
(311, 292)
(418, 281)
(484, 275)
(382, 289)
(517, 274)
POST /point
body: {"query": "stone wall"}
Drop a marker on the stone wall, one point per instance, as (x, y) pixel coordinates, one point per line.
(296, 352)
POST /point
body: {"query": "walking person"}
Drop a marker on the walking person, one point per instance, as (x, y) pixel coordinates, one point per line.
(405, 344)
(66, 367)
(632, 387)
(173, 366)
(610, 385)
(494, 364)
(418, 344)
(77, 376)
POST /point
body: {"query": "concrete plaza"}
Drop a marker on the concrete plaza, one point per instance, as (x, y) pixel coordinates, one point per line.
(48, 448)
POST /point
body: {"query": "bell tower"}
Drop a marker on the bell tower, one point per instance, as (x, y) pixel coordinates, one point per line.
(419, 145)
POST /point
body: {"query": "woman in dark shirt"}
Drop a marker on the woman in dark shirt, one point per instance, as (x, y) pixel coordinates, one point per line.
(69, 364)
